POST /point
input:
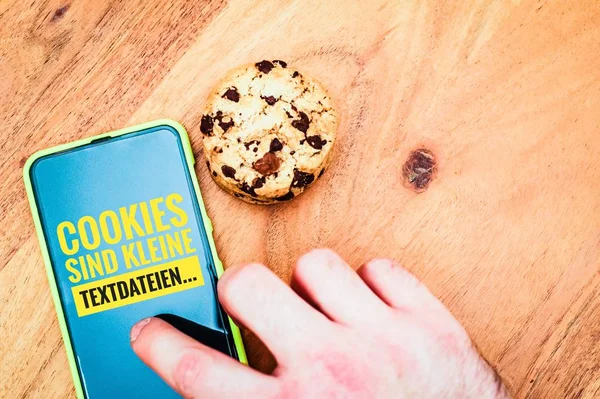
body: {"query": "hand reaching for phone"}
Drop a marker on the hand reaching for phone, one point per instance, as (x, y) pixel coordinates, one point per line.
(377, 333)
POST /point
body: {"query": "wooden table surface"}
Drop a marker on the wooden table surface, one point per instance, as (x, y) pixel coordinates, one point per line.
(505, 94)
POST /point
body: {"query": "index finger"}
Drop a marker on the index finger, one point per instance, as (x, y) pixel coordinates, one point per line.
(257, 298)
(195, 370)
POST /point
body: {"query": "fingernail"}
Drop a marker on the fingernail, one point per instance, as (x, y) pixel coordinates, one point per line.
(137, 328)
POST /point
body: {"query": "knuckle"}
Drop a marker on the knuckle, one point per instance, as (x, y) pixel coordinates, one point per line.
(248, 274)
(240, 280)
(378, 267)
(188, 373)
(403, 274)
(313, 262)
(303, 268)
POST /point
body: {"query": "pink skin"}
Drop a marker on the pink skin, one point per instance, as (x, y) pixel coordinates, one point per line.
(377, 333)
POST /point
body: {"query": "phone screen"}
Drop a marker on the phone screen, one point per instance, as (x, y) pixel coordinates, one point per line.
(126, 240)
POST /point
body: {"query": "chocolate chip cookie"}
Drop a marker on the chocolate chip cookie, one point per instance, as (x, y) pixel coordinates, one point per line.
(268, 132)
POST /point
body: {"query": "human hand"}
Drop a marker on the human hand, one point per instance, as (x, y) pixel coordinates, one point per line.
(378, 333)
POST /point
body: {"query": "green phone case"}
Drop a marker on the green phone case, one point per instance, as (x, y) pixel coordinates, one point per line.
(41, 234)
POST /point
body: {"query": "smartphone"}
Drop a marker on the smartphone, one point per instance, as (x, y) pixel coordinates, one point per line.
(124, 235)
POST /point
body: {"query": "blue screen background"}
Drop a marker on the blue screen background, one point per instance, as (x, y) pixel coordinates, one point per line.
(106, 175)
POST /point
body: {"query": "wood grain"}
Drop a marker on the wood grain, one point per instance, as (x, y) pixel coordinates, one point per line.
(504, 93)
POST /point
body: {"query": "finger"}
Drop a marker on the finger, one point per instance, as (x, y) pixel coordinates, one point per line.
(192, 369)
(302, 293)
(397, 287)
(266, 305)
(337, 290)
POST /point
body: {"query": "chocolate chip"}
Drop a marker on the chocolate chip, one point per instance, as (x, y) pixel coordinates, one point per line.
(232, 95)
(302, 123)
(218, 150)
(225, 122)
(321, 172)
(292, 152)
(315, 142)
(288, 114)
(251, 142)
(258, 182)
(238, 195)
(247, 189)
(302, 179)
(214, 173)
(206, 125)
(295, 74)
(255, 149)
(302, 141)
(282, 63)
(268, 164)
(228, 171)
(208, 165)
(270, 100)
(419, 169)
(264, 66)
(286, 197)
(275, 145)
